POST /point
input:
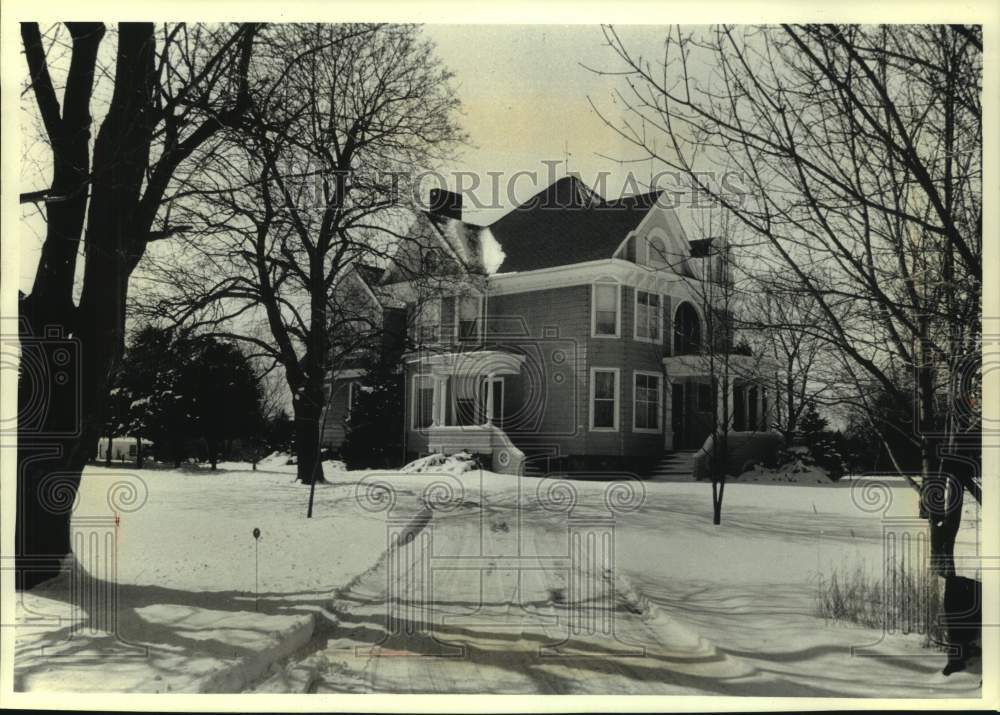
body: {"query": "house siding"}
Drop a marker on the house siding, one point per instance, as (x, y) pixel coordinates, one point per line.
(548, 404)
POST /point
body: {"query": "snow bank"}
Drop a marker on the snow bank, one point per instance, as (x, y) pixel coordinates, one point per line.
(457, 463)
(796, 473)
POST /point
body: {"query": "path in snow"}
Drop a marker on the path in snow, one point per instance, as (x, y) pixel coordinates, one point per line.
(484, 600)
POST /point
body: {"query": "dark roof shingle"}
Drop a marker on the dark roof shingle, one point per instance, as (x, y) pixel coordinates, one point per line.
(567, 223)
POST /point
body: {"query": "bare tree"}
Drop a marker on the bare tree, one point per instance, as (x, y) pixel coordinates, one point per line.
(780, 324)
(313, 189)
(861, 148)
(174, 89)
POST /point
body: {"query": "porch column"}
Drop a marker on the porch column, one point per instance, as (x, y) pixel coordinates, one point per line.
(489, 399)
(746, 406)
(668, 415)
(436, 402)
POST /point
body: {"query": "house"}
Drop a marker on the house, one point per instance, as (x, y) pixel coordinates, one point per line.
(588, 347)
(122, 448)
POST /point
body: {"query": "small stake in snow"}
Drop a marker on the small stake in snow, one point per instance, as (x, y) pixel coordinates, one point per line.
(256, 570)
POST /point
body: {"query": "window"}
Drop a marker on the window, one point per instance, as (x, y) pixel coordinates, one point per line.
(423, 401)
(467, 411)
(428, 322)
(705, 398)
(606, 309)
(648, 316)
(604, 398)
(646, 402)
(687, 330)
(468, 317)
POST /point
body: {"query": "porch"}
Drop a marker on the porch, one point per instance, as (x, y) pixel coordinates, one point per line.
(458, 402)
(694, 401)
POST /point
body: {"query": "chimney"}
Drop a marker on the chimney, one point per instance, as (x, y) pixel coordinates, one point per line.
(446, 204)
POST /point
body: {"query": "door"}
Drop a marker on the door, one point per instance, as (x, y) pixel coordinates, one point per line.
(677, 414)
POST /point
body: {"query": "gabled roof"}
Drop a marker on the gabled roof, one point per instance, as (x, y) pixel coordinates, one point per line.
(567, 223)
(371, 275)
(436, 243)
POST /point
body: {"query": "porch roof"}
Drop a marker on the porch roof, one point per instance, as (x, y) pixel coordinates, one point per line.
(472, 364)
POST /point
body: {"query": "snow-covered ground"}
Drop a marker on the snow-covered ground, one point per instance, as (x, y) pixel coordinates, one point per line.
(195, 587)
(726, 609)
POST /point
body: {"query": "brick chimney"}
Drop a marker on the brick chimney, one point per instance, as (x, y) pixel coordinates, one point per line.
(447, 204)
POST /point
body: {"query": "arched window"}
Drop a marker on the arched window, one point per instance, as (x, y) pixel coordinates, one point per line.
(687, 330)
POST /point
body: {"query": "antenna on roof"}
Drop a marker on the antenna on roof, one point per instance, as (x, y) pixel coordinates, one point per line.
(652, 155)
(566, 155)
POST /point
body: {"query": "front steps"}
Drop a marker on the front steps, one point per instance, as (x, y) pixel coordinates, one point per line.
(676, 466)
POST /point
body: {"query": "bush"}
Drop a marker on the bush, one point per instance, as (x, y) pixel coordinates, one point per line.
(897, 602)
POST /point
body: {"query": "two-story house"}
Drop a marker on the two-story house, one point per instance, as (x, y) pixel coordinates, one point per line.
(587, 348)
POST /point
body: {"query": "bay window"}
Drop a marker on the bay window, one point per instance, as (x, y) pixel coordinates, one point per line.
(646, 402)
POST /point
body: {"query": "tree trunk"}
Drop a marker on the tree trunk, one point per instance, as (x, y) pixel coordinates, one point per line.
(52, 449)
(307, 415)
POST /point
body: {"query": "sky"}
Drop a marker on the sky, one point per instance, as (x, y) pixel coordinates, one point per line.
(525, 91)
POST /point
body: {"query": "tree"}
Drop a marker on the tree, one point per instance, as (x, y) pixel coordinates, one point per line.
(777, 323)
(374, 438)
(309, 193)
(148, 385)
(226, 394)
(812, 425)
(181, 388)
(861, 148)
(173, 90)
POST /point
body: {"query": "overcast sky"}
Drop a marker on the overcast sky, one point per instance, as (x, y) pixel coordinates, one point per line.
(525, 94)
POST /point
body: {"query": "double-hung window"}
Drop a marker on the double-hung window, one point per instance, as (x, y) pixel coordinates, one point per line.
(604, 397)
(606, 317)
(646, 402)
(648, 316)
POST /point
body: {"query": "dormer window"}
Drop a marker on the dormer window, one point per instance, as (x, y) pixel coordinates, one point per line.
(606, 310)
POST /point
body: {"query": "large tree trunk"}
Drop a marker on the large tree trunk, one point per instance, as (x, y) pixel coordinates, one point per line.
(307, 418)
(52, 449)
